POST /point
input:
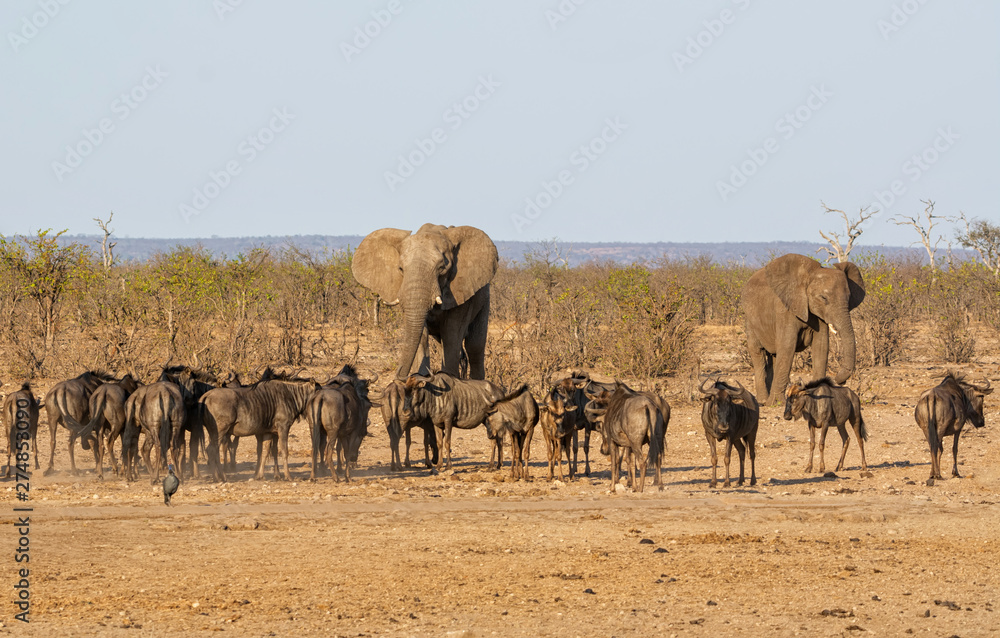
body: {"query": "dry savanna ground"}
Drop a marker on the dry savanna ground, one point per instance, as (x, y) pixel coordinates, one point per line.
(472, 553)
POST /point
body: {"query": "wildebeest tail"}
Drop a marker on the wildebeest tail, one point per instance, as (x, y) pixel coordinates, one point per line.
(653, 418)
(862, 430)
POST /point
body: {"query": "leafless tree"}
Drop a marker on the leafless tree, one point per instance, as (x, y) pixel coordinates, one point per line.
(107, 246)
(853, 229)
(984, 238)
(925, 227)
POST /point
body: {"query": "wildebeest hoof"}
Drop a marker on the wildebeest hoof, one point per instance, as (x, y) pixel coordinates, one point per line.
(753, 482)
(713, 484)
(726, 484)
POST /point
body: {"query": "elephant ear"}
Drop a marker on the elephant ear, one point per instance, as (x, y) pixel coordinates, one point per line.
(475, 265)
(855, 282)
(788, 276)
(376, 262)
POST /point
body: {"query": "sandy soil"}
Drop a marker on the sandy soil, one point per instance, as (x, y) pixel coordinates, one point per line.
(473, 553)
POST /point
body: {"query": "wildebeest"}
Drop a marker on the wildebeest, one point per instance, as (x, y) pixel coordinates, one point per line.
(574, 389)
(397, 425)
(559, 418)
(823, 403)
(516, 413)
(944, 409)
(449, 403)
(72, 397)
(338, 420)
(629, 420)
(107, 418)
(267, 408)
(22, 400)
(730, 414)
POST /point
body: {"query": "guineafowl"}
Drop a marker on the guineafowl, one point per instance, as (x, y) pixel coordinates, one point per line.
(170, 484)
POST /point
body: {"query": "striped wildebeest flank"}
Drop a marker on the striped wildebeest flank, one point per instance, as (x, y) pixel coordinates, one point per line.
(944, 409)
(13, 403)
(72, 398)
(267, 409)
(107, 418)
(823, 403)
(397, 425)
(630, 420)
(337, 414)
(731, 414)
(516, 413)
(449, 403)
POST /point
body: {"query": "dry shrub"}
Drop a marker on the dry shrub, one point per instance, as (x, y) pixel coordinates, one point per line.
(884, 320)
(954, 340)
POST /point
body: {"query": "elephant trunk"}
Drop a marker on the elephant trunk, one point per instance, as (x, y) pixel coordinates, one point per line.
(416, 297)
(848, 352)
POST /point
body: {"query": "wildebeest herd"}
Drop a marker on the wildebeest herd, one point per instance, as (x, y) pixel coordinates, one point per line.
(442, 275)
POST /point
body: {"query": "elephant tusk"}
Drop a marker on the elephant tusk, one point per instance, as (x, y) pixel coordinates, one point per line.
(437, 300)
(833, 330)
(391, 303)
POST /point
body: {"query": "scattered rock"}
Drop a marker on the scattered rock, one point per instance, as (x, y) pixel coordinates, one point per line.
(929, 482)
(830, 475)
(660, 550)
(711, 603)
(697, 621)
(927, 614)
(591, 591)
(646, 541)
(867, 474)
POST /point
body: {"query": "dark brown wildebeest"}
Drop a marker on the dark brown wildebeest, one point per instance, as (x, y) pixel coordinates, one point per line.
(574, 389)
(516, 413)
(338, 420)
(163, 412)
(107, 418)
(944, 409)
(397, 425)
(72, 397)
(823, 403)
(21, 401)
(449, 403)
(730, 414)
(629, 420)
(558, 418)
(267, 408)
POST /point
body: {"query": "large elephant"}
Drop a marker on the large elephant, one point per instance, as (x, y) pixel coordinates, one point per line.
(441, 275)
(791, 304)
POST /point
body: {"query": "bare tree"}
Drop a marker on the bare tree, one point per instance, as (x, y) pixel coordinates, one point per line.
(107, 246)
(984, 238)
(853, 229)
(925, 227)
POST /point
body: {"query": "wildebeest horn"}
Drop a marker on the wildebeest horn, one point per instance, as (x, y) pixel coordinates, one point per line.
(742, 389)
(374, 377)
(986, 389)
(701, 388)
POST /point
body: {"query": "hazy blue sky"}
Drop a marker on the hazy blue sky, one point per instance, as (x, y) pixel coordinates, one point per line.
(620, 120)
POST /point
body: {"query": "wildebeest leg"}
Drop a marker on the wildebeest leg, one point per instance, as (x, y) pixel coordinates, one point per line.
(742, 451)
(847, 441)
(448, 425)
(406, 463)
(283, 444)
(954, 455)
(316, 442)
(114, 433)
(551, 450)
(586, 449)
(72, 457)
(822, 447)
(751, 441)
(261, 459)
(615, 467)
(856, 424)
(573, 468)
(439, 437)
(729, 453)
(526, 454)
(715, 460)
(431, 443)
(394, 459)
(812, 447)
(53, 425)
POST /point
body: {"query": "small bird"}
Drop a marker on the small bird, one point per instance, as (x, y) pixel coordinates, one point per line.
(170, 484)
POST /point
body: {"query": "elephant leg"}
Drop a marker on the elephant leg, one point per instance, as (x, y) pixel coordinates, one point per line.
(452, 347)
(782, 370)
(475, 343)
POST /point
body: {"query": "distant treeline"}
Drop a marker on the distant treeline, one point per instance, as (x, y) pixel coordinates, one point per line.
(64, 309)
